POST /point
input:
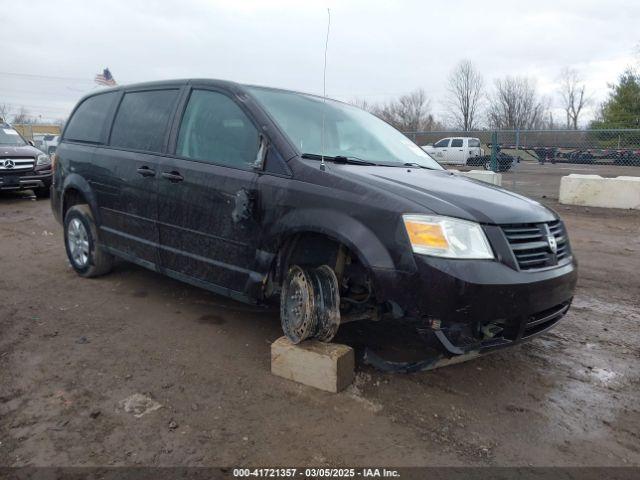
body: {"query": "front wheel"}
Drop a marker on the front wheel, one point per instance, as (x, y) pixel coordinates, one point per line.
(310, 304)
(86, 256)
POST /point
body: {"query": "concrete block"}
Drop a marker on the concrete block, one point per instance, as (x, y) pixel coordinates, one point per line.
(327, 366)
(483, 175)
(596, 191)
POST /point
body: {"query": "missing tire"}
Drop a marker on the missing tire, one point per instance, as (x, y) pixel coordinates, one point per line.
(310, 304)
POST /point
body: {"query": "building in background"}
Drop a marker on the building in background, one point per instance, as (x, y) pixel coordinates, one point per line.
(31, 131)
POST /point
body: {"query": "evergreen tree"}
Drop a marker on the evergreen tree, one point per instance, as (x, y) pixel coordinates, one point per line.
(622, 108)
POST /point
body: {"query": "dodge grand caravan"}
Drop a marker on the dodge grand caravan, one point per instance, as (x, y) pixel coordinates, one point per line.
(259, 194)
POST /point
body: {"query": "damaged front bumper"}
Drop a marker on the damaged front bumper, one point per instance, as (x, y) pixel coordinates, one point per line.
(474, 306)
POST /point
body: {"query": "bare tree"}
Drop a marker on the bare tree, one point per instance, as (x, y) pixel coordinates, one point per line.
(22, 116)
(572, 90)
(551, 124)
(363, 104)
(516, 104)
(465, 86)
(408, 113)
(4, 112)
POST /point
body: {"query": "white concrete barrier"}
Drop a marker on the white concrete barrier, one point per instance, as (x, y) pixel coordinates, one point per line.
(597, 191)
(483, 175)
(327, 366)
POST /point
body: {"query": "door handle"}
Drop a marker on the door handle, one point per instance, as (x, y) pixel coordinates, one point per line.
(173, 177)
(146, 171)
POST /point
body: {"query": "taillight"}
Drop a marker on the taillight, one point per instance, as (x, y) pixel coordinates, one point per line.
(54, 160)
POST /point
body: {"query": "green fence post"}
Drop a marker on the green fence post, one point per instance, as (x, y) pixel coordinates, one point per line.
(494, 151)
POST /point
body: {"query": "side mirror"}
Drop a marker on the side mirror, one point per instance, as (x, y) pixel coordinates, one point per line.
(262, 153)
(31, 142)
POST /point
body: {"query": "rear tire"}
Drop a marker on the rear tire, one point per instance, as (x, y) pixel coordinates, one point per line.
(85, 254)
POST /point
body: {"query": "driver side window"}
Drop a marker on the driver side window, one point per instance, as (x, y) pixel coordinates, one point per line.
(215, 130)
(442, 143)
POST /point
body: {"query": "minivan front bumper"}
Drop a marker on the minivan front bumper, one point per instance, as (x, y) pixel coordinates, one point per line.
(477, 305)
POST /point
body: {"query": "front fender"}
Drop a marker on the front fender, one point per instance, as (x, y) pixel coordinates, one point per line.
(341, 227)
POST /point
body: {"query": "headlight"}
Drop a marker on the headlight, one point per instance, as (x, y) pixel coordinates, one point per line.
(446, 237)
(43, 159)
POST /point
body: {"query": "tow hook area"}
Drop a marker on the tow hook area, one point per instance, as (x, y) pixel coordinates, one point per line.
(491, 330)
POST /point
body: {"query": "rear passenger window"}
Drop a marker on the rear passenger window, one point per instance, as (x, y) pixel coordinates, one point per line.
(474, 142)
(214, 129)
(456, 142)
(142, 120)
(442, 143)
(87, 122)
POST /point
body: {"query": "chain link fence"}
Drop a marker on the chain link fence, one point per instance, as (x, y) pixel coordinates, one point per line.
(504, 147)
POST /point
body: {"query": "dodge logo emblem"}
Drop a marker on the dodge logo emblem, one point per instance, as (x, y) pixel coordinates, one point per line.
(9, 164)
(553, 245)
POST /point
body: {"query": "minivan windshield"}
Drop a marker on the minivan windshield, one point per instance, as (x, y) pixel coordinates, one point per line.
(8, 136)
(349, 132)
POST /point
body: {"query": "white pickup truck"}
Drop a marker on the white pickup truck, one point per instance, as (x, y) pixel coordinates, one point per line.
(49, 143)
(455, 150)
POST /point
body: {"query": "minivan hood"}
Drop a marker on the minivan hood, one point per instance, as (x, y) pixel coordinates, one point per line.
(450, 194)
(19, 151)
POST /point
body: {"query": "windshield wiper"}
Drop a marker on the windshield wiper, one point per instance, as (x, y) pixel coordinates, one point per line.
(338, 159)
(413, 164)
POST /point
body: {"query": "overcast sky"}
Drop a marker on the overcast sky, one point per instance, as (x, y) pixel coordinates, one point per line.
(377, 49)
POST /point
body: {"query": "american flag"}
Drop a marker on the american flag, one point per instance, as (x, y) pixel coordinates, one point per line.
(105, 78)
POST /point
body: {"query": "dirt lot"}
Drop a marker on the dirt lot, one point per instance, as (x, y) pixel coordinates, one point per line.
(71, 350)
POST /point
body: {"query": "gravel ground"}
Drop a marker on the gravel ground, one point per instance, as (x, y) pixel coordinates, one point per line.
(137, 369)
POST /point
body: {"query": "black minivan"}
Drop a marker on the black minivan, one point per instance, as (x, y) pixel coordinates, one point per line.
(259, 193)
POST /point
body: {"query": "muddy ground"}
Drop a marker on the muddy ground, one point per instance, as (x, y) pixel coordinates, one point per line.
(71, 350)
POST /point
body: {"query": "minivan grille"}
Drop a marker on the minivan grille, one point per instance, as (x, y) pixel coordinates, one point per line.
(532, 247)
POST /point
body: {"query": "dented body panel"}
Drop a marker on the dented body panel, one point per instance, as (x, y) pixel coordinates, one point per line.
(223, 228)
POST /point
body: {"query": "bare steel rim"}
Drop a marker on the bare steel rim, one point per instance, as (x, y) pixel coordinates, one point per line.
(78, 243)
(297, 306)
(327, 303)
(310, 304)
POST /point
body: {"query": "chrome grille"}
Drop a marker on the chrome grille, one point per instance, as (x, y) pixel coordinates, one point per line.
(532, 244)
(16, 164)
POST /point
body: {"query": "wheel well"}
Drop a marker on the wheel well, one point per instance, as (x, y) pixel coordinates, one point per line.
(310, 249)
(306, 249)
(72, 197)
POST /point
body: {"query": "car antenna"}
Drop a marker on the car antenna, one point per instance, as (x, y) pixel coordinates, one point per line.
(324, 88)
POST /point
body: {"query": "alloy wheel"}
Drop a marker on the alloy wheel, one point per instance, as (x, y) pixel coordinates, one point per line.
(78, 242)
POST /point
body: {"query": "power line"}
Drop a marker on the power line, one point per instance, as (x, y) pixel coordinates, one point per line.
(38, 107)
(49, 77)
